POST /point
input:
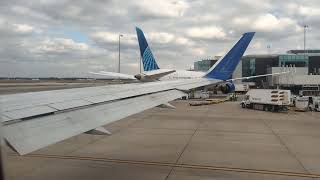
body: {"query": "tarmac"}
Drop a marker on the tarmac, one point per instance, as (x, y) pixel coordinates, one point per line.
(21, 86)
(219, 141)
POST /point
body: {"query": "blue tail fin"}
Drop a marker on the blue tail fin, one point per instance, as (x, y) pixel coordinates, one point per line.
(224, 68)
(148, 61)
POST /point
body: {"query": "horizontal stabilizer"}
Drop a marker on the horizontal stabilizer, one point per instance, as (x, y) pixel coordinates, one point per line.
(154, 74)
(114, 75)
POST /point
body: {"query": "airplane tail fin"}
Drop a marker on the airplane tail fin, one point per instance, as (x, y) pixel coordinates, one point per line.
(224, 68)
(148, 60)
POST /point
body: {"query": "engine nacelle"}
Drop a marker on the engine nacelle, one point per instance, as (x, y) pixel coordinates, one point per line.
(227, 88)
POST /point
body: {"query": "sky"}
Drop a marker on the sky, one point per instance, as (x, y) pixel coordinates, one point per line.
(64, 38)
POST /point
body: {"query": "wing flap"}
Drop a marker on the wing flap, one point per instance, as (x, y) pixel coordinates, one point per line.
(30, 135)
(70, 104)
(27, 112)
(100, 98)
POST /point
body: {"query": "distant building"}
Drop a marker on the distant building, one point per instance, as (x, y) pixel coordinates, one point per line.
(306, 65)
(306, 79)
(205, 64)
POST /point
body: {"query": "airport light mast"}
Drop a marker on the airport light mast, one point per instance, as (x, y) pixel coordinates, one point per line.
(2, 154)
(140, 64)
(304, 39)
(120, 35)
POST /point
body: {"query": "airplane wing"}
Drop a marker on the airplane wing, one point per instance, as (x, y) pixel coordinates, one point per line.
(114, 75)
(38, 119)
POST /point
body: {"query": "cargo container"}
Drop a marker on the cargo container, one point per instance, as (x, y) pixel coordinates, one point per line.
(315, 104)
(302, 103)
(267, 99)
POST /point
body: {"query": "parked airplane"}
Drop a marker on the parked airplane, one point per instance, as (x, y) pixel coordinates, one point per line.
(38, 119)
(153, 72)
(150, 64)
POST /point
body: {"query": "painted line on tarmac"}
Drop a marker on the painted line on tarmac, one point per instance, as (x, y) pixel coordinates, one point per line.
(177, 165)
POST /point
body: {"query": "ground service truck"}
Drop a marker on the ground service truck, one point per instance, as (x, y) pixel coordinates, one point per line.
(267, 99)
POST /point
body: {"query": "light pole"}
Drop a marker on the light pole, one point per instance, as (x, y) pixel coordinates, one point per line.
(120, 35)
(2, 153)
(140, 63)
(304, 38)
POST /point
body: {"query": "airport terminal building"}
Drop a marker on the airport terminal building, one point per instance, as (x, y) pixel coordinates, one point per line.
(304, 66)
(205, 64)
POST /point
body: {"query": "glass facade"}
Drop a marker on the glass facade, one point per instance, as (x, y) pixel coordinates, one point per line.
(203, 65)
(248, 67)
(259, 64)
(314, 65)
(293, 60)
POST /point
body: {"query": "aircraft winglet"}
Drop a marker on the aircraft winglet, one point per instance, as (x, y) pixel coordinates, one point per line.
(148, 60)
(226, 65)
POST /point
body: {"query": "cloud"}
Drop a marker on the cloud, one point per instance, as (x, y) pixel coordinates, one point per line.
(23, 28)
(184, 41)
(242, 21)
(160, 37)
(164, 8)
(303, 10)
(269, 23)
(59, 45)
(9, 29)
(62, 38)
(207, 32)
(105, 38)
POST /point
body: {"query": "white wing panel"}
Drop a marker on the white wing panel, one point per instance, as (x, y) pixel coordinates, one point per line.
(4, 118)
(69, 104)
(42, 103)
(24, 100)
(100, 98)
(37, 103)
(30, 135)
(28, 112)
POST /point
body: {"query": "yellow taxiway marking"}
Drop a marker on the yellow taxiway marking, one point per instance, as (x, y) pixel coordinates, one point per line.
(178, 165)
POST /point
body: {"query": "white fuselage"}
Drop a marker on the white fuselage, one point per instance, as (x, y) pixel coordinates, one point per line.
(183, 74)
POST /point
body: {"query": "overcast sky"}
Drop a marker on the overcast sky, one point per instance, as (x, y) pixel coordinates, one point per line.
(70, 38)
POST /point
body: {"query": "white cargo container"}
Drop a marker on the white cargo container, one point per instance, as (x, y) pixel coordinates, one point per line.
(302, 103)
(241, 87)
(315, 105)
(201, 95)
(267, 99)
